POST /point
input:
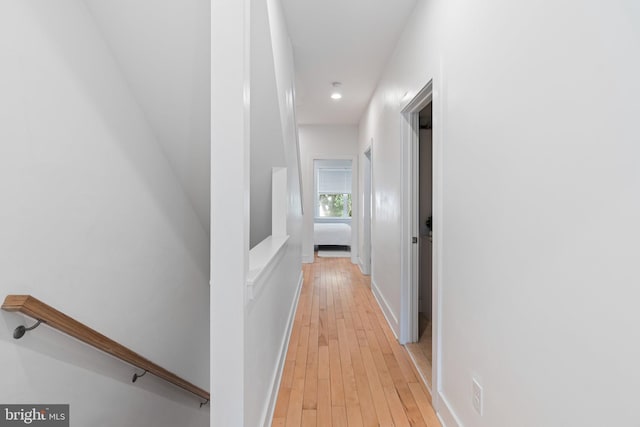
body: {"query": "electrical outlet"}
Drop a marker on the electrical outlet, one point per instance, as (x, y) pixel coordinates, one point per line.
(476, 397)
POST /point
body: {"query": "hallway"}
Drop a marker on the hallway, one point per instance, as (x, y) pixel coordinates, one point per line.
(344, 367)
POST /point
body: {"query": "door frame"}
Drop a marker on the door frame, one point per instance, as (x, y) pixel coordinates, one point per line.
(366, 253)
(410, 225)
(308, 225)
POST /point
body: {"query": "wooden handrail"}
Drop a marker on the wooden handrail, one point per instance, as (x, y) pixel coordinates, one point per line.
(35, 308)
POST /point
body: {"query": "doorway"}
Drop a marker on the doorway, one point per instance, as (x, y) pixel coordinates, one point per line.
(415, 231)
(421, 349)
(333, 207)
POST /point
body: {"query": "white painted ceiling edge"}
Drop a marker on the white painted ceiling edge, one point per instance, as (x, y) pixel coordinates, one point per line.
(349, 42)
(163, 50)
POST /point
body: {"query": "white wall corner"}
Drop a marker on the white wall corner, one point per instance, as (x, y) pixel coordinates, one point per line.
(362, 267)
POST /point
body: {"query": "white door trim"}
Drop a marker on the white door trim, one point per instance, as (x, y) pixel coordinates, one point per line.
(367, 199)
(410, 220)
(410, 225)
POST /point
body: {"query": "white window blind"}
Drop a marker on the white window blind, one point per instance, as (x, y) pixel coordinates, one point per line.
(334, 181)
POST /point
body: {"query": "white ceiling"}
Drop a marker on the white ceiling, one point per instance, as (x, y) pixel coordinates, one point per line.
(341, 40)
(163, 49)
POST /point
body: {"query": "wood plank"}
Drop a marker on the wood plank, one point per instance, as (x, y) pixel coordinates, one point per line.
(323, 319)
(408, 402)
(395, 406)
(337, 284)
(293, 341)
(367, 407)
(377, 391)
(338, 416)
(332, 331)
(354, 416)
(324, 403)
(355, 318)
(362, 338)
(32, 307)
(424, 405)
(348, 377)
(410, 406)
(378, 358)
(323, 363)
(308, 418)
(405, 363)
(337, 387)
(383, 343)
(307, 299)
(282, 403)
(310, 399)
(301, 360)
(289, 366)
(294, 409)
(311, 378)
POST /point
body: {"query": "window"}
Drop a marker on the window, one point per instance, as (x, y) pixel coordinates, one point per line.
(334, 205)
(333, 188)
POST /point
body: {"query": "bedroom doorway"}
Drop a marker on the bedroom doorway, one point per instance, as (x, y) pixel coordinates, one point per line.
(333, 207)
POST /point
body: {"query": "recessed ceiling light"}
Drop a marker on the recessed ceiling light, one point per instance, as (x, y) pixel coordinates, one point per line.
(336, 91)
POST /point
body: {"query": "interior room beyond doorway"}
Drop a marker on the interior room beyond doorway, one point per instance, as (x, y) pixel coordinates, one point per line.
(421, 351)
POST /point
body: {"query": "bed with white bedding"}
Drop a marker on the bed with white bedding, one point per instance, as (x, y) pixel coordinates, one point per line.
(333, 233)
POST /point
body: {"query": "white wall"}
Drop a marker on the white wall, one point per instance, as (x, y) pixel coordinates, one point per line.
(163, 49)
(534, 110)
(267, 149)
(249, 337)
(269, 317)
(230, 130)
(93, 223)
(326, 142)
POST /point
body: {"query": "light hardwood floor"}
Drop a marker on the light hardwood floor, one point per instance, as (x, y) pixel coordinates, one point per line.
(344, 367)
(421, 350)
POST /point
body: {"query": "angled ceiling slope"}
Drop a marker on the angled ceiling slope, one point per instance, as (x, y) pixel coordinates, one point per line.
(163, 49)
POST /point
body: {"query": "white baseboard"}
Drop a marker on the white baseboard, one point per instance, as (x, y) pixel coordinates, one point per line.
(445, 414)
(392, 320)
(355, 260)
(277, 377)
(307, 259)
